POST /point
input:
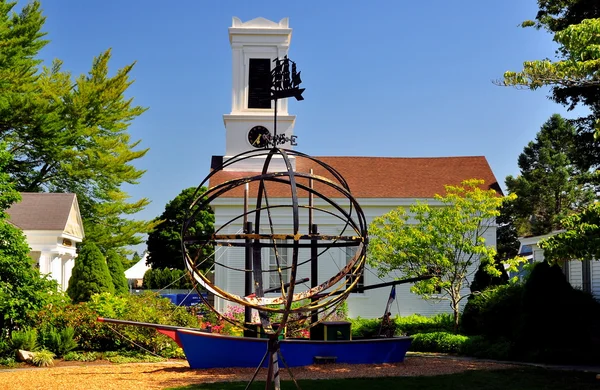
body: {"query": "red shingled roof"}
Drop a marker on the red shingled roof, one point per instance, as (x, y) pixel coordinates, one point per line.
(386, 177)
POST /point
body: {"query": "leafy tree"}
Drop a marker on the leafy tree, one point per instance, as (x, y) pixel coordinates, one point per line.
(575, 75)
(550, 185)
(446, 241)
(574, 78)
(117, 273)
(580, 240)
(164, 242)
(23, 291)
(90, 274)
(69, 135)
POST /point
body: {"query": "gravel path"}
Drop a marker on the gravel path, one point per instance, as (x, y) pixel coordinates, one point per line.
(177, 373)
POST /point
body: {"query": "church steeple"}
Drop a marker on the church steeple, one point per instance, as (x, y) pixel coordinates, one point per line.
(255, 45)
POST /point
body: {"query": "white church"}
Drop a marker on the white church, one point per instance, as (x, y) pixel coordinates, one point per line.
(380, 184)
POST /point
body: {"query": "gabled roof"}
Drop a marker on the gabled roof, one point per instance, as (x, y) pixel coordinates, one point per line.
(43, 211)
(385, 177)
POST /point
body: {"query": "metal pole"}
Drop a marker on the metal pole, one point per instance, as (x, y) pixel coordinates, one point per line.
(248, 273)
(314, 270)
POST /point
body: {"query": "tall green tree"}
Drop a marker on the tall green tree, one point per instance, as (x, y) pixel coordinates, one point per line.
(90, 274)
(69, 134)
(550, 186)
(164, 242)
(446, 241)
(23, 291)
(117, 273)
(574, 78)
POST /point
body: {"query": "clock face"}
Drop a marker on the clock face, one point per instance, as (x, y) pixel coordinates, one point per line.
(259, 137)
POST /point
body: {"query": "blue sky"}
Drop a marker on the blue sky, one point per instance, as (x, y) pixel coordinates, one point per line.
(382, 78)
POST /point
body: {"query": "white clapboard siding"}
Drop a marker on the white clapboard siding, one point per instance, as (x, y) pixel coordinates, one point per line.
(596, 279)
(371, 303)
(575, 274)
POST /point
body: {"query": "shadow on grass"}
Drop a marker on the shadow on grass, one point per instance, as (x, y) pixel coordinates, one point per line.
(513, 379)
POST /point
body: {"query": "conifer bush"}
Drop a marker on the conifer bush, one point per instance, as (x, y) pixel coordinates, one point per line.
(90, 274)
(117, 273)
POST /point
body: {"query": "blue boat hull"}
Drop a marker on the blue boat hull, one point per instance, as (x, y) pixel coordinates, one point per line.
(209, 350)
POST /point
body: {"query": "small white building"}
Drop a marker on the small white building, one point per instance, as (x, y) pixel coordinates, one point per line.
(581, 274)
(52, 225)
(380, 184)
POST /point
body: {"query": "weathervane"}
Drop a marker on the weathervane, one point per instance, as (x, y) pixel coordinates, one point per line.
(284, 86)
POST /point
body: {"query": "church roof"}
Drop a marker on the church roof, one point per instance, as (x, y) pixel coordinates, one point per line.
(42, 211)
(386, 177)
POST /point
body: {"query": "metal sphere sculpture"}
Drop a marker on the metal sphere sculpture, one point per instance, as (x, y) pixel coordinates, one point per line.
(277, 225)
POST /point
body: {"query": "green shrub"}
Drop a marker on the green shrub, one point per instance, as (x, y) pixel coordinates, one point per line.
(416, 323)
(90, 274)
(5, 349)
(58, 341)
(479, 346)
(43, 358)
(365, 327)
(409, 325)
(25, 339)
(92, 335)
(438, 342)
(81, 356)
(8, 362)
(560, 324)
(117, 273)
(495, 313)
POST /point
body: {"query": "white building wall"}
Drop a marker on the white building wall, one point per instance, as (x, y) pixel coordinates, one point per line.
(575, 276)
(596, 279)
(371, 303)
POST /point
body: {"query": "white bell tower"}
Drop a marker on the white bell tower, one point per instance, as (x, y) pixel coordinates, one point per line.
(255, 45)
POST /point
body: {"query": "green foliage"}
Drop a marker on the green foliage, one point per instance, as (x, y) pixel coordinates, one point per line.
(69, 134)
(446, 241)
(117, 273)
(166, 278)
(43, 358)
(580, 240)
(90, 274)
(409, 325)
(60, 342)
(164, 242)
(438, 342)
(550, 186)
(573, 76)
(81, 357)
(133, 357)
(551, 310)
(22, 289)
(494, 313)
(26, 339)
(108, 305)
(92, 335)
(481, 347)
(544, 320)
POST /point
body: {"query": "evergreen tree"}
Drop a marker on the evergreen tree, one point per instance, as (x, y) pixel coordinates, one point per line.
(164, 242)
(90, 274)
(550, 184)
(69, 135)
(117, 273)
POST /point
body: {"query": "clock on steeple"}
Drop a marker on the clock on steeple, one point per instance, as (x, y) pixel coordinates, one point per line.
(255, 45)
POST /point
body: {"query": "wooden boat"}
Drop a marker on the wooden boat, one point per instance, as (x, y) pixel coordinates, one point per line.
(210, 350)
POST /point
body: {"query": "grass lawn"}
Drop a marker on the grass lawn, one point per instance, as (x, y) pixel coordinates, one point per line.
(514, 379)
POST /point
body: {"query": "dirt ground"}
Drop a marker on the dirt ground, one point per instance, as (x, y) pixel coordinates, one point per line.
(92, 376)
